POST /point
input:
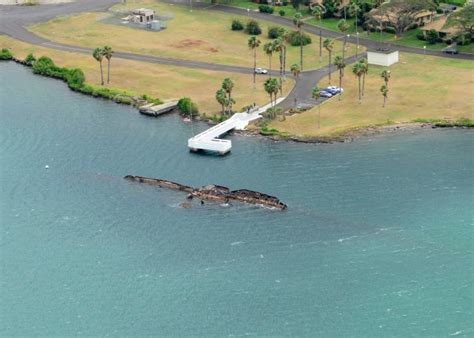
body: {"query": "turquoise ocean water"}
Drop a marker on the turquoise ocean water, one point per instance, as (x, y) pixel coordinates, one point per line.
(377, 240)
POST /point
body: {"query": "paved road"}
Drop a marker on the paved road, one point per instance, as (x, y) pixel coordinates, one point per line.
(14, 19)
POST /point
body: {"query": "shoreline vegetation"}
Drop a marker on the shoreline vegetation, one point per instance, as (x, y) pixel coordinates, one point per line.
(74, 78)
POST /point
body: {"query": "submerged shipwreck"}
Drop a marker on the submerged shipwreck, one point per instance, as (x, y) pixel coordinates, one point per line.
(214, 193)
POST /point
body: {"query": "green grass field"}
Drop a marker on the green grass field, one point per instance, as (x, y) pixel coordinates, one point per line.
(420, 88)
(198, 36)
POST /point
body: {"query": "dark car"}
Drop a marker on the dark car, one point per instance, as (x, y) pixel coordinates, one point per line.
(450, 50)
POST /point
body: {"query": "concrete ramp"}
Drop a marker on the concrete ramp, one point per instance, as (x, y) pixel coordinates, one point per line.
(155, 110)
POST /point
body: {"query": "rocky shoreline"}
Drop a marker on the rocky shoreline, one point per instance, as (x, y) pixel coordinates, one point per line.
(354, 134)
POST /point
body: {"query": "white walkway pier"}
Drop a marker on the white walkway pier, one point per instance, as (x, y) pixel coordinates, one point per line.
(209, 140)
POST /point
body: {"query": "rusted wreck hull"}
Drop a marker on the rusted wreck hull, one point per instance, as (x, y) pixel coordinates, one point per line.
(214, 193)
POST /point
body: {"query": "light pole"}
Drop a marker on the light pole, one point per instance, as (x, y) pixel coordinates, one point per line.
(357, 47)
(248, 11)
(320, 46)
(344, 46)
(190, 5)
(424, 52)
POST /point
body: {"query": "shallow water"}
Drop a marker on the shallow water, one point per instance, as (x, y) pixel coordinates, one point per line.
(377, 240)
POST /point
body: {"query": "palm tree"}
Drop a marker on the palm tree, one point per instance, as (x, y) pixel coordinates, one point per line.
(365, 65)
(340, 64)
(386, 76)
(271, 87)
(98, 55)
(253, 44)
(228, 85)
(295, 69)
(354, 11)
(329, 45)
(284, 35)
(108, 52)
(384, 91)
(278, 48)
(298, 22)
(343, 27)
(316, 94)
(221, 98)
(318, 12)
(268, 49)
(358, 70)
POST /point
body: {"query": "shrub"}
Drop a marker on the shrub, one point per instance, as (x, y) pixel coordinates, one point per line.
(463, 40)
(253, 28)
(237, 25)
(420, 36)
(432, 36)
(281, 12)
(30, 59)
(75, 77)
(294, 39)
(269, 132)
(187, 107)
(273, 32)
(104, 93)
(284, 3)
(86, 89)
(45, 66)
(390, 30)
(5, 54)
(265, 9)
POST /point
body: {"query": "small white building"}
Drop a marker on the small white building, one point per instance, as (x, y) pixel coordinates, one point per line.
(382, 57)
(144, 15)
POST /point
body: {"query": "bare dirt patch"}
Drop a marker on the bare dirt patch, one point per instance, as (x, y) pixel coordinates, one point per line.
(195, 44)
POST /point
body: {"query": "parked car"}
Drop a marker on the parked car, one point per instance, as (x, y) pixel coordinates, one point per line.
(334, 90)
(261, 71)
(450, 50)
(324, 93)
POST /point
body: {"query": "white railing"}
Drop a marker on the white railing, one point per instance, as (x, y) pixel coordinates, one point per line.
(208, 139)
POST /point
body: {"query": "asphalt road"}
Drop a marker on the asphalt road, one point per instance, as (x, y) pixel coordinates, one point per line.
(14, 19)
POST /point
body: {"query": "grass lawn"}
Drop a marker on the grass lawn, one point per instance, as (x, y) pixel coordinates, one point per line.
(164, 82)
(407, 39)
(289, 10)
(431, 88)
(198, 36)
